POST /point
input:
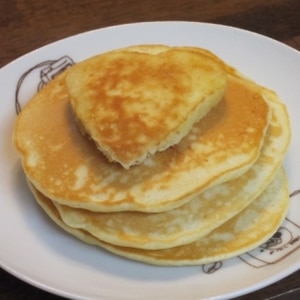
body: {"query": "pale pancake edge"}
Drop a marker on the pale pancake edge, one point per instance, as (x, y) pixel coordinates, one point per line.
(247, 230)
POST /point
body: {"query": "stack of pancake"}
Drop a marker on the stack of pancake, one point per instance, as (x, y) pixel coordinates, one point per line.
(164, 155)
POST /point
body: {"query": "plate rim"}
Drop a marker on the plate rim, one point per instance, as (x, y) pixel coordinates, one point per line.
(18, 60)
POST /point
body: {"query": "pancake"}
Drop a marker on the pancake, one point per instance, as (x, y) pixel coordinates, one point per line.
(247, 230)
(199, 216)
(67, 167)
(133, 104)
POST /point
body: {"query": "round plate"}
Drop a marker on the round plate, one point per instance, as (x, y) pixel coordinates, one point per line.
(37, 251)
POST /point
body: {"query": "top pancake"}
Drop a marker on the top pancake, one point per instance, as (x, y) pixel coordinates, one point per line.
(135, 102)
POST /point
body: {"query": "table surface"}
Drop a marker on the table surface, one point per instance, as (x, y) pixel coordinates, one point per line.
(27, 25)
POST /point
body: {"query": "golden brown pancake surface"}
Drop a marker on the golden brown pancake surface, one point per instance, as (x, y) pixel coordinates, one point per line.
(134, 104)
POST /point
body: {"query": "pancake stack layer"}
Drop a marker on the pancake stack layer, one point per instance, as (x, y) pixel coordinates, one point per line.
(164, 155)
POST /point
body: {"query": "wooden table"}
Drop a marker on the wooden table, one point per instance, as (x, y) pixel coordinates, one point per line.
(27, 25)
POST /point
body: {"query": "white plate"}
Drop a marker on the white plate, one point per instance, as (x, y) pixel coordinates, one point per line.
(35, 250)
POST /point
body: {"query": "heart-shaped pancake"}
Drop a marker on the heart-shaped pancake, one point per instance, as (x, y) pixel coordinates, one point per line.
(135, 103)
